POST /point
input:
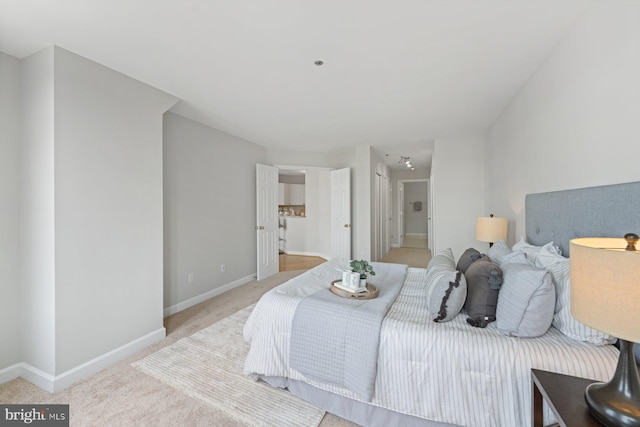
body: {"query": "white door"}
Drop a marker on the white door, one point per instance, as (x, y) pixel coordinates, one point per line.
(430, 219)
(267, 220)
(375, 254)
(401, 213)
(381, 218)
(385, 224)
(341, 213)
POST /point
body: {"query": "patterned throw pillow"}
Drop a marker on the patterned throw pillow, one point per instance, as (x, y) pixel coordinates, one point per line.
(527, 300)
(446, 287)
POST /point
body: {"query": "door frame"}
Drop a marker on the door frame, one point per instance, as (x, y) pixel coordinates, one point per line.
(400, 208)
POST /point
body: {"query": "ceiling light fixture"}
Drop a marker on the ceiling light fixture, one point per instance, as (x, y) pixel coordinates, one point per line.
(319, 62)
(407, 162)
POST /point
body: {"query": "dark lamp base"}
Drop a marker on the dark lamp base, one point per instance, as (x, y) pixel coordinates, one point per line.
(617, 403)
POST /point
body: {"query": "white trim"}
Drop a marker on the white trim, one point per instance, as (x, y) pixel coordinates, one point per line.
(56, 383)
(416, 234)
(10, 373)
(327, 257)
(40, 378)
(207, 295)
(396, 245)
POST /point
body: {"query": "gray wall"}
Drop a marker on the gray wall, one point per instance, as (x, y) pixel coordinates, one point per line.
(9, 213)
(108, 209)
(209, 208)
(415, 222)
(90, 214)
(37, 228)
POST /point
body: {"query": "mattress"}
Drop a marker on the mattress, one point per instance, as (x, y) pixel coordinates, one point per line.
(447, 372)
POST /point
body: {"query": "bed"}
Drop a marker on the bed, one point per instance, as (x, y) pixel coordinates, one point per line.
(445, 373)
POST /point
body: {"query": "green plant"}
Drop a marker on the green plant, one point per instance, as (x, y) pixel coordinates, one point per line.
(362, 267)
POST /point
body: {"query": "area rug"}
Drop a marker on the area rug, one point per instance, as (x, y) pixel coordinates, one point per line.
(208, 366)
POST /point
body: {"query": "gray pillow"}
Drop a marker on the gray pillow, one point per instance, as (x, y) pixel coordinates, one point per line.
(467, 258)
(484, 279)
(446, 287)
(527, 301)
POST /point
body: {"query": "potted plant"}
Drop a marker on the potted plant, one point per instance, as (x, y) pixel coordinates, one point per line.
(363, 268)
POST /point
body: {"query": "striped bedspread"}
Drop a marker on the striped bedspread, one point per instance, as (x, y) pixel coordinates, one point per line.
(447, 372)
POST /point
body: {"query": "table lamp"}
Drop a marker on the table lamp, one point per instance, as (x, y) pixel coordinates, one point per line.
(605, 295)
(491, 229)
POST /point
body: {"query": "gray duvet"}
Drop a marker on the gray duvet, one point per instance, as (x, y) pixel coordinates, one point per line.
(335, 340)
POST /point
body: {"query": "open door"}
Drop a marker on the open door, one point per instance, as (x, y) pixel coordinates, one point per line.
(341, 213)
(267, 220)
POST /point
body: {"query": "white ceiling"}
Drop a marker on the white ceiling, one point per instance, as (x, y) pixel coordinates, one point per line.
(396, 73)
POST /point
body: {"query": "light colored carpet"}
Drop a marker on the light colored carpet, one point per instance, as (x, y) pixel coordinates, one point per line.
(208, 366)
(413, 257)
(418, 242)
(122, 395)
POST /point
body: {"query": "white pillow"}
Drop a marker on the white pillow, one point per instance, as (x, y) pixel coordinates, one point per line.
(516, 257)
(558, 266)
(532, 251)
(498, 251)
(446, 287)
(526, 301)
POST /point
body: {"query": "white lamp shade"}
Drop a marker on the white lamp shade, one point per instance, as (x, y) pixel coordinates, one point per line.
(491, 229)
(605, 286)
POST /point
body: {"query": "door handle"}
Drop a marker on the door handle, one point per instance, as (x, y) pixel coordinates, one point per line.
(347, 225)
(259, 227)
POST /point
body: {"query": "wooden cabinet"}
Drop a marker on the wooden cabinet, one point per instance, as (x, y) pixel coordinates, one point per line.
(291, 194)
(565, 396)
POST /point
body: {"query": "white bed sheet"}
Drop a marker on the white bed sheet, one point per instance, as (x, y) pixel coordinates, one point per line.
(447, 372)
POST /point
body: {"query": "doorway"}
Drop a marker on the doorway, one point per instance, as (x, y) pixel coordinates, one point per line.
(413, 213)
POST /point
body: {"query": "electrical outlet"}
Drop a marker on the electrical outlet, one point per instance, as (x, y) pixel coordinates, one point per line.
(190, 278)
(222, 268)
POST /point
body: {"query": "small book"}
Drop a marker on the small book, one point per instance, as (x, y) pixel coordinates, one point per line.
(339, 285)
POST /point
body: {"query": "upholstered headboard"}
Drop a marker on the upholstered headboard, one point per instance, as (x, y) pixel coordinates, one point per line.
(606, 211)
(559, 216)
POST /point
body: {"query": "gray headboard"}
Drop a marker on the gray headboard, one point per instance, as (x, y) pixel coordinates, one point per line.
(559, 216)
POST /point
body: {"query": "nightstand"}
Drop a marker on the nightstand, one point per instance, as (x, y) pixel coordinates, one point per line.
(565, 396)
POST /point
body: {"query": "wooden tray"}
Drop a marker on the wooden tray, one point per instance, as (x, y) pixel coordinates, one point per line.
(370, 293)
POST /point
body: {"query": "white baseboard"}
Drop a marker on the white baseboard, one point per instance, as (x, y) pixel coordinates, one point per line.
(327, 257)
(416, 234)
(396, 245)
(10, 373)
(56, 383)
(207, 295)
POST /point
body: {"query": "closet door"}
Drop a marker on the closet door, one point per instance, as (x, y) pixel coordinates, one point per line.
(381, 217)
